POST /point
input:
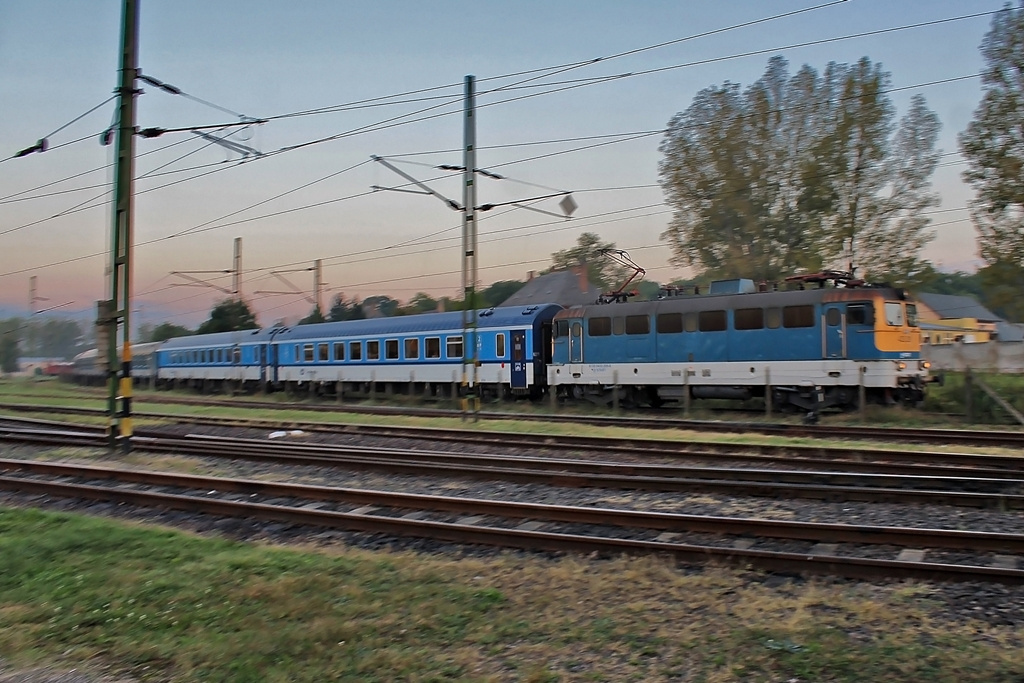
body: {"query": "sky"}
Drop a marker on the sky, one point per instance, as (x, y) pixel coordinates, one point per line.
(386, 78)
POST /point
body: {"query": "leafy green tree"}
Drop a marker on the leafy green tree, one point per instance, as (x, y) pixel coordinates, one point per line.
(51, 338)
(344, 310)
(229, 315)
(602, 272)
(383, 305)
(315, 316)
(993, 145)
(165, 331)
(496, 293)
(420, 303)
(10, 336)
(792, 172)
(1003, 282)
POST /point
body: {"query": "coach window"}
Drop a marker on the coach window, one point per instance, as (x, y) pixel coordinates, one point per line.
(599, 327)
(432, 347)
(236, 355)
(798, 316)
(618, 325)
(339, 350)
(307, 353)
(832, 317)
(638, 324)
(669, 323)
(859, 314)
(690, 321)
(773, 318)
(412, 349)
(894, 313)
(453, 347)
(499, 345)
(323, 352)
(561, 328)
(355, 351)
(373, 350)
(391, 349)
(711, 321)
(298, 353)
(749, 318)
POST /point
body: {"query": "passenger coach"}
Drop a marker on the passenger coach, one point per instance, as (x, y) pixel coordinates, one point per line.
(812, 348)
(418, 353)
(239, 359)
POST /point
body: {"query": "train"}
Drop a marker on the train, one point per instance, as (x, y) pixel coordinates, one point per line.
(823, 343)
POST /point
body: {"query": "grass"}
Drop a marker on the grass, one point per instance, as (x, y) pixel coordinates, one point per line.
(164, 605)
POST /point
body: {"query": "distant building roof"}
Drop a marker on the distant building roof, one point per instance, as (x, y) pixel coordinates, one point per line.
(564, 287)
(1009, 332)
(950, 306)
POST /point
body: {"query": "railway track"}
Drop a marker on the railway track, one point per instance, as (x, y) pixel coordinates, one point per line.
(845, 550)
(1003, 493)
(972, 437)
(847, 459)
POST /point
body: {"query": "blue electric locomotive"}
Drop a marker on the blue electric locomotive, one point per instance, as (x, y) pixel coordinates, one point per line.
(808, 348)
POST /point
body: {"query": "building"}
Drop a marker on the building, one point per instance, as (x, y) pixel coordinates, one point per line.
(950, 319)
(565, 287)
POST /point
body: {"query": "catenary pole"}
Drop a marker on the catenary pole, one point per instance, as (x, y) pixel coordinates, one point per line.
(470, 357)
(117, 319)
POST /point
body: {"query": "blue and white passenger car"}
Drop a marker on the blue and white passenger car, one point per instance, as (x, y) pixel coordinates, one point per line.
(419, 352)
(241, 358)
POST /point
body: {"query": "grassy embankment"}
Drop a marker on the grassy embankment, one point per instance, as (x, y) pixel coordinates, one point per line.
(166, 605)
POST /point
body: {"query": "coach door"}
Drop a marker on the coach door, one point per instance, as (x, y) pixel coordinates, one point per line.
(834, 332)
(576, 341)
(518, 359)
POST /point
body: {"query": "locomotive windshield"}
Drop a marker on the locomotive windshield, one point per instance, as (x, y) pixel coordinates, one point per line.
(894, 313)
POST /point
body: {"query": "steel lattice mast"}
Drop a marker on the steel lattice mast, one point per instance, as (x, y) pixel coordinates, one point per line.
(114, 313)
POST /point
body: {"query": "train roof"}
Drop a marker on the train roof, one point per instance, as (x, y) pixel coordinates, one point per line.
(504, 317)
(233, 338)
(708, 302)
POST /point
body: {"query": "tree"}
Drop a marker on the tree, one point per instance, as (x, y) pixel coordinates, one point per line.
(993, 145)
(227, 316)
(344, 310)
(381, 305)
(10, 331)
(165, 331)
(1003, 282)
(51, 338)
(790, 173)
(420, 303)
(497, 293)
(315, 316)
(602, 272)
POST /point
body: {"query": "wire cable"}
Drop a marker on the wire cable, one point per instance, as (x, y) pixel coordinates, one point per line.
(43, 144)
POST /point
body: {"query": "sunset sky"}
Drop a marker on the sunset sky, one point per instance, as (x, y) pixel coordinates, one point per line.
(391, 75)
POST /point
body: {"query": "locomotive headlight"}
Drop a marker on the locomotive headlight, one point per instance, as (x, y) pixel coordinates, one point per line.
(924, 365)
(901, 365)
